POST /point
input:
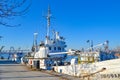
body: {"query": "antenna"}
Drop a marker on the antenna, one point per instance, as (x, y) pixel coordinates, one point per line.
(48, 21)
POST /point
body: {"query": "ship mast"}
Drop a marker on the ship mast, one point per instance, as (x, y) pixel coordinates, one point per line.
(48, 21)
(48, 25)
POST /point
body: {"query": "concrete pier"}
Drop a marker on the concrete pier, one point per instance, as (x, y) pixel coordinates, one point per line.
(12, 71)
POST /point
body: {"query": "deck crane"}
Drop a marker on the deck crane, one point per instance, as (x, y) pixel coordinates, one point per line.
(105, 44)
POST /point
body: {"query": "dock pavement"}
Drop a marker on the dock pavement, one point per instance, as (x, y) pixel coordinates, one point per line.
(12, 71)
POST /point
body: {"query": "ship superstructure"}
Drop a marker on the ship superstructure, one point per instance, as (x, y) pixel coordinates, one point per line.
(51, 45)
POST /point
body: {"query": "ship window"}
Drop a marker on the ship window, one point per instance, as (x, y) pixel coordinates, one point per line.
(49, 48)
(54, 48)
(59, 48)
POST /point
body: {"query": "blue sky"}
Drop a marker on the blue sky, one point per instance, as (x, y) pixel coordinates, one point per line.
(76, 20)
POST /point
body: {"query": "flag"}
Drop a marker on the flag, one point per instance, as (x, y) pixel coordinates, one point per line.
(88, 41)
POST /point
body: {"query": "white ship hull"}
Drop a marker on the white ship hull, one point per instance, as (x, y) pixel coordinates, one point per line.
(93, 71)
